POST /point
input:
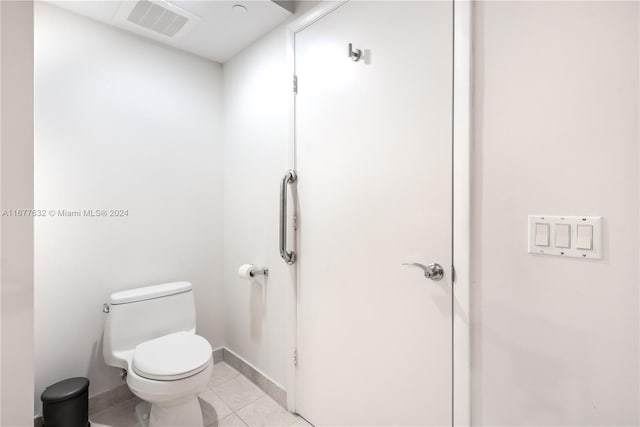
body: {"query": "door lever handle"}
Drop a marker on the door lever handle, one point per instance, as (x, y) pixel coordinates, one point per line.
(433, 271)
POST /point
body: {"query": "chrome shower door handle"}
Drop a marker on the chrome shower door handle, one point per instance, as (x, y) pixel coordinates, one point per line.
(289, 178)
(433, 271)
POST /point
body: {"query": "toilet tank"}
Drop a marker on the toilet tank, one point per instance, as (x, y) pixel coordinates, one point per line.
(141, 314)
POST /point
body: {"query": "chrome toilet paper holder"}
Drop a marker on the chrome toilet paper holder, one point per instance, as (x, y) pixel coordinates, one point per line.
(264, 271)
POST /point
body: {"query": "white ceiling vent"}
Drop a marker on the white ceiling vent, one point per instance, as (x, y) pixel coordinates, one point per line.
(157, 17)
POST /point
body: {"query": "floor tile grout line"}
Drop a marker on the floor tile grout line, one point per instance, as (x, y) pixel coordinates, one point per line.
(246, 422)
(222, 383)
(238, 416)
(247, 404)
(265, 395)
(123, 403)
(230, 378)
(211, 387)
(227, 416)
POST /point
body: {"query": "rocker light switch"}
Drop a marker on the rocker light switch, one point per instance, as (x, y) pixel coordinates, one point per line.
(584, 238)
(542, 234)
(563, 236)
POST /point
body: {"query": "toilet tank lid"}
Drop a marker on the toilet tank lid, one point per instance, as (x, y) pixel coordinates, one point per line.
(149, 292)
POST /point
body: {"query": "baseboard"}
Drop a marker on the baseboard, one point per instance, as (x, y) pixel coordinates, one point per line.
(218, 355)
(266, 384)
(109, 398)
(122, 393)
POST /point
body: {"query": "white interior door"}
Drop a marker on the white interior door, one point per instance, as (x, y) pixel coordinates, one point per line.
(374, 156)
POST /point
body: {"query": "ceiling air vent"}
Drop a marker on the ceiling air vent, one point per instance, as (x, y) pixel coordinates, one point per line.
(159, 17)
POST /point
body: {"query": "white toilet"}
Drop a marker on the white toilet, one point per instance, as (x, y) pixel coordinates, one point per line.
(150, 332)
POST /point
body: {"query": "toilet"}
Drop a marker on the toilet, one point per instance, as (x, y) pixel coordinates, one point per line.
(151, 333)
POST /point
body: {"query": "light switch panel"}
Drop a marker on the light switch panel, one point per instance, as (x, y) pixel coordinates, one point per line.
(570, 236)
(563, 236)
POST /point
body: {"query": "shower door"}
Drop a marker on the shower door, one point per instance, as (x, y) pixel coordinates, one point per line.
(374, 163)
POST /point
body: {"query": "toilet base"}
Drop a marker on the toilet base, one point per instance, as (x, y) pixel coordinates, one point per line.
(183, 413)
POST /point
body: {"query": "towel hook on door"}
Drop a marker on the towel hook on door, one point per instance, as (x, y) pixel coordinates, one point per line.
(354, 54)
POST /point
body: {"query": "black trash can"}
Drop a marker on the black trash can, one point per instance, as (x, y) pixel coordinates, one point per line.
(66, 403)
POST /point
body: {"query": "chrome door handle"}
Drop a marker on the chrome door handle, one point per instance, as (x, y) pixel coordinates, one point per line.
(289, 178)
(433, 271)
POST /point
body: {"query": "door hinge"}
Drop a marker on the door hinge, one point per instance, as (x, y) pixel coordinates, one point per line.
(453, 274)
(294, 221)
(295, 84)
(295, 357)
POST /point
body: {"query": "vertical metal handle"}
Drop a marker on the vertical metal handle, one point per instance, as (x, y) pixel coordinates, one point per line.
(289, 178)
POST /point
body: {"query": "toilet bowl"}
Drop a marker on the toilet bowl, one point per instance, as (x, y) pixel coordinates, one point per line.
(150, 332)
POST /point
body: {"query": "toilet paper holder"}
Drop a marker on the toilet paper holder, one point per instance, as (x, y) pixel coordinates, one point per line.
(250, 271)
(264, 271)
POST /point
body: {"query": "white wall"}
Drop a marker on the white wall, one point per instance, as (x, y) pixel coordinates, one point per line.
(256, 155)
(257, 88)
(122, 123)
(17, 193)
(555, 340)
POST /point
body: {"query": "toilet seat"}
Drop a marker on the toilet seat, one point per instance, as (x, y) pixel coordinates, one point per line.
(172, 357)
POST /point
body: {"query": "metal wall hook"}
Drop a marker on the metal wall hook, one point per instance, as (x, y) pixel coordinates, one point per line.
(354, 54)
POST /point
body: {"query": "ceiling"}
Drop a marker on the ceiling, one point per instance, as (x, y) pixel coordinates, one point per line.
(218, 35)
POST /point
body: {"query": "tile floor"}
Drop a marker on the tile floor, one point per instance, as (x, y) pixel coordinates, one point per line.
(230, 401)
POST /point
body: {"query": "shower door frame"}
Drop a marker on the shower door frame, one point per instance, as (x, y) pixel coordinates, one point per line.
(461, 177)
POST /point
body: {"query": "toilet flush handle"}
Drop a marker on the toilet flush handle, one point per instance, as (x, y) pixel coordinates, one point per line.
(106, 308)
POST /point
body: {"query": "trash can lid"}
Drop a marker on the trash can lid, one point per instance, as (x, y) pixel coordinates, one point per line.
(65, 390)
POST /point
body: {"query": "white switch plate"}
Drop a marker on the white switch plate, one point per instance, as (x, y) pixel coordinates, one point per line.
(573, 222)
